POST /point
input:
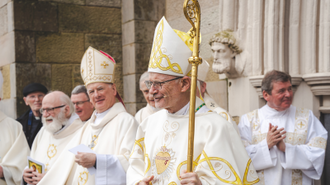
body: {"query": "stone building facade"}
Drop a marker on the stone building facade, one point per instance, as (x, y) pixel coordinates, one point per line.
(44, 40)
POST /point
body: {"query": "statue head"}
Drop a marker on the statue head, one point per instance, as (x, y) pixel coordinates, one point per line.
(224, 48)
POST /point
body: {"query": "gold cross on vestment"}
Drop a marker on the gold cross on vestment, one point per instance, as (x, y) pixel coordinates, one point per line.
(254, 126)
(301, 124)
(104, 64)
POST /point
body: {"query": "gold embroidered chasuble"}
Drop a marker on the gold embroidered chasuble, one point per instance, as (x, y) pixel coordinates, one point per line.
(144, 113)
(13, 151)
(160, 149)
(113, 135)
(305, 141)
(47, 147)
(212, 105)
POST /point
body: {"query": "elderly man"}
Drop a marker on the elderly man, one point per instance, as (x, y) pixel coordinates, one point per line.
(14, 149)
(160, 152)
(110, 132)
(60, 125)
(31, 119)
(294, 158)
(228, 57)
(150, 108)
(84, 108)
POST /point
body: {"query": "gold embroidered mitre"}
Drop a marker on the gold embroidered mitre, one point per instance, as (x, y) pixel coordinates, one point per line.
(170, 51)
(97, 66)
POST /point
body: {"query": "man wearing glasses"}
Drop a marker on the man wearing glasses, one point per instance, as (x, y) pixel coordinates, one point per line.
(60, 125)
(159, 155)
(31, 119)
(80, 99)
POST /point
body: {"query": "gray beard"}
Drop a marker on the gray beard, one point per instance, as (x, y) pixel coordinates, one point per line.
(57, 123)
(221, 67)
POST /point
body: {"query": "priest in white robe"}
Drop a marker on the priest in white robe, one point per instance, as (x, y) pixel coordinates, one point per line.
(159, 155)
(110, 132)
(286, 144)
(14, 149)
(150, 108)
(60, 124)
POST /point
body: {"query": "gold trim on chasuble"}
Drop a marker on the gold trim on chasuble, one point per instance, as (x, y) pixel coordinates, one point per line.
(157, 53)
(224, 115)
(83, 178)
(51, 152)
(142, 151)
(298, 137)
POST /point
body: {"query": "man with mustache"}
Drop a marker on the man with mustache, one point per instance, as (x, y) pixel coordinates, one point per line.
(159, 155)
(150, 108)
(14, 148)
(286, 144)
(225, 49)
(31, 119)
(60, 124)
(84, 108)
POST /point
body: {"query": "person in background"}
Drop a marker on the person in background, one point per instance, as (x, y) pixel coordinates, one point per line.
(150, 108)
(80, 99)
(31, 119)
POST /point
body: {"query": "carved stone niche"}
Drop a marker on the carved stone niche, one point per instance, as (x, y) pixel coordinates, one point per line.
(256, 83)
(320, 86)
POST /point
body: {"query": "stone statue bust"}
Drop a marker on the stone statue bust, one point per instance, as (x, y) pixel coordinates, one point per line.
(225, 51)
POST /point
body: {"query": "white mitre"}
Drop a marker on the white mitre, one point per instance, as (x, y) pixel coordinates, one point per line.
(1, 80)
(170, 51)
(97, 66)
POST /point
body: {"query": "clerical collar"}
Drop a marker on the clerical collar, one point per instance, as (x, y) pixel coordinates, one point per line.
(100, 116)
(72, 118)
(270, 112)
(37, 118)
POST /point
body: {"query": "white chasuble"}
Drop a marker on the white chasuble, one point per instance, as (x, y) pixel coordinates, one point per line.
(114, 135)
(14, 150)
(144, 113)
(212, 105)
(305, 141)
(161, 150)
(47, 147)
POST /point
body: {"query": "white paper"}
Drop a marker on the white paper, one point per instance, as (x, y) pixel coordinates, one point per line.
(84, 148)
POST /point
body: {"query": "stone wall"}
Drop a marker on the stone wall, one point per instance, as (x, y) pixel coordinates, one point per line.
(46, 40)
(140, 18)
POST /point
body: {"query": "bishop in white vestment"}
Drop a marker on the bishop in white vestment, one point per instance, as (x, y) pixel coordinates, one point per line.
(110, 132)
(304, 145)
(159, 154)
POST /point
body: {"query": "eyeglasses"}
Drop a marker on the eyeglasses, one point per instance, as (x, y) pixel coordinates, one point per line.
(158, 85)
(50, 110)
(79, 103)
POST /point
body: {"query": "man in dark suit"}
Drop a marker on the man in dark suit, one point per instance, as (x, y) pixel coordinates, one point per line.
(31, 119)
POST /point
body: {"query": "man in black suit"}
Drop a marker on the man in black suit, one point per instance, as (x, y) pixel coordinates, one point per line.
(31, 119)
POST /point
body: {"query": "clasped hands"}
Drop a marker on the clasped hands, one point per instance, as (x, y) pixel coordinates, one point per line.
(187, 178)
(32, 177)
(276, 136)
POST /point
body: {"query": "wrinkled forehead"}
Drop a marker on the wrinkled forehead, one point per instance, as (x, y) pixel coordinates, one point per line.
(160, 77)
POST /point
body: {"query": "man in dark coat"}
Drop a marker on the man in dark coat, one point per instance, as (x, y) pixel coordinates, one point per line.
(31, 119)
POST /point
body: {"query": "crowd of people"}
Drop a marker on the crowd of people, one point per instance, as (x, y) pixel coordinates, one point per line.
(277, 144)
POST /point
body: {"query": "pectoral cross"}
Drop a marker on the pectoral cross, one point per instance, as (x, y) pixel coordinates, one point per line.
(104, 64)
(92, 145)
